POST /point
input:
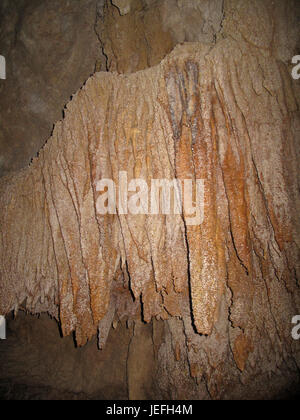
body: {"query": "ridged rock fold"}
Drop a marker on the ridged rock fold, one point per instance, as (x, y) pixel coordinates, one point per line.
(226, 114)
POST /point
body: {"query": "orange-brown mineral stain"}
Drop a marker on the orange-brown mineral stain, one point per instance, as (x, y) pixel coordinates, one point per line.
(177, 352)
(241, 349)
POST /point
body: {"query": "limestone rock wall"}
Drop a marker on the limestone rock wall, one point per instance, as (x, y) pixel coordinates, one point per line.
(51, 49)
(219, 297)
(187, 118)
(137, 34)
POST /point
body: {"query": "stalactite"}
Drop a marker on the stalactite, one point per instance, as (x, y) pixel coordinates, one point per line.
(194, 116)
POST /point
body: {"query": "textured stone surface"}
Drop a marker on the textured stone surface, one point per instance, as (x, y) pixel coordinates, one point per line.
(227, 112)
(51, 49)
(199, 123)
(137, 34)
(124, 6)
(36, 363)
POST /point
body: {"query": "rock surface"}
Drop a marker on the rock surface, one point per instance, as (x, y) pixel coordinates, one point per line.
(51, 49)
(227, 111)
(137, 34)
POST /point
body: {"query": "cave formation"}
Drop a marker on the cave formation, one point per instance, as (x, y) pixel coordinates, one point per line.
(144, 305)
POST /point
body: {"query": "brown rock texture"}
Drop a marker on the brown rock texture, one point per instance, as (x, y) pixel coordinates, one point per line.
(137, 34)
(37, 364)
(51, 49)
(219, 297)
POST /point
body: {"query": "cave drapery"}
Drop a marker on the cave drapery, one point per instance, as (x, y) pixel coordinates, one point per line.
(194, 116)
(225, 113)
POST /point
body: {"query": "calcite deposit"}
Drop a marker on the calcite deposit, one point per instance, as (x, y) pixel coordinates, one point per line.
(187, 118)
(225, 111)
